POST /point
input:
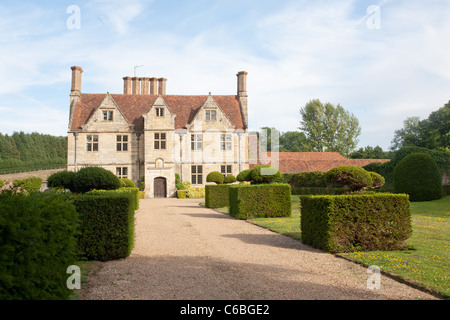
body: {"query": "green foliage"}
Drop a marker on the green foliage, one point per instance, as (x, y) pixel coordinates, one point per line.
(181, 194)
(370, 153)
(346, 223)
(1, 183)
(353, 177)
(265, 174)
(195, 192)
(418, 175)
(312, 179)
(27, 152)
(127, 183)
(317, 191)
(61, 180)
(244, 175)
(37, 244)
(329, 128)
(229, 179)
(98, 178)
(134, 191)
(215, 176)
(446, 190)
(216, 196)
(107, 225)
(265, 200)
(178, 184)
(377, 179)
(31, 184)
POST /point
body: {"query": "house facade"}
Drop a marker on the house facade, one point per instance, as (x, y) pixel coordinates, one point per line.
(146, 133)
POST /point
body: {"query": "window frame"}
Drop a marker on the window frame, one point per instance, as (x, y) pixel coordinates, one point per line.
(159, 143)
(196, 142)
(159, 112)
(225, 143)
(122, 143)
(120, 172)
(196, 176)
(210, 115)
(92, 141)
(226, 169)
(108, 115)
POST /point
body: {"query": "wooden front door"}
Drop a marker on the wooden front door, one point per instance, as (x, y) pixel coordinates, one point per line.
(160, 187)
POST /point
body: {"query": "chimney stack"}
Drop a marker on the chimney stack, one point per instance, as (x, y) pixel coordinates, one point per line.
(135, 85)
(162, 86)
(126, 85)
(153, 86)
(145, 85)
(242, 83)
(76, 79)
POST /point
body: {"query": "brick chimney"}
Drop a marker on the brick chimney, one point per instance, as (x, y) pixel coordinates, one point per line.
(153, 86)
(145, 85)
(242, 83)
(126, 85)
(162, 86)
(135, 85)
(76, 80)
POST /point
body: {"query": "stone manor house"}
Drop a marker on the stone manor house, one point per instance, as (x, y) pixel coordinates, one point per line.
(146, 133)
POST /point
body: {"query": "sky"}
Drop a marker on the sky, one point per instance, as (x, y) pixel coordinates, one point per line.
(381, 60)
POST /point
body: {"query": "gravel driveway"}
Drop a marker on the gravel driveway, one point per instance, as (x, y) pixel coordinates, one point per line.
(185, 251)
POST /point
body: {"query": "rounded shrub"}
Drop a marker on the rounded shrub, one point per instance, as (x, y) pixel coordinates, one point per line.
(377, 179)
(215, 176)
(265, 174)
(98, 178)
(353, 177)
(229, 179)
(418, 175)
(61, 180)
(244, 175)
(127, 183)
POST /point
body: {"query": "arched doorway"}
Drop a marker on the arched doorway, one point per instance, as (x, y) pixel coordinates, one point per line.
(160, 187)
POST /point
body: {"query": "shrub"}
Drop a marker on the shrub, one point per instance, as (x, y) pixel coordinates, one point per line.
(181, 194)
(127, 183)
(61, 180)
(265, 174)
(107, 225)
(446, 190)
(37, 244)
(265, 200)
(216, 196)
(98, 178)
(180, 186)
(347, 223)
(318, 191)
(312, 179)
(353, 177)
(195, 192)
(229, 179)
(215, 176)
(377, 179)
(1, 183)
(31, 184)
(244, 175)
(134, 191)
(418, 175)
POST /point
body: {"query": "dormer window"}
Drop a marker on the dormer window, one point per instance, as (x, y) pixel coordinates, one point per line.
(210, 115)
(107, 115)
(160, 112)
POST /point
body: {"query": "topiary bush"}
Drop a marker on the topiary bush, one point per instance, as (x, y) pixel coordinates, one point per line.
(61, 180)
(215, 176)
(216, 196)
(311, 179)
(353, 177)
(377, 179)
(244, 175)
(31, 184)
(98, 178)
(127, 183)
(265, 174)
(229, 179)
(418, 175)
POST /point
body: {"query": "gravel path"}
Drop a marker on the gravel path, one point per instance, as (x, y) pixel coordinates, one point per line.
(185, 251)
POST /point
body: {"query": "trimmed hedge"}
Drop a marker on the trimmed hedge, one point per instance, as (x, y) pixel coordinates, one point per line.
(418, 175)
(107, 225)
(265, 173)
(346, 223)
(37, 244)
(31, 184)
(216, 196)
(134, 191)
(356, 178)
(265, 200)
(317, 191)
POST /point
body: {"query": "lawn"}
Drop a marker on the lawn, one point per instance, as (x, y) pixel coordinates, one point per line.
(427, 261)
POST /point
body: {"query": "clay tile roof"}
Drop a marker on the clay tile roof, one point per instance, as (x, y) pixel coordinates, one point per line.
(134, 106)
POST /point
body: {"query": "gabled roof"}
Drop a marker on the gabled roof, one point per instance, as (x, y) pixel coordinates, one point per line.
(134, 106)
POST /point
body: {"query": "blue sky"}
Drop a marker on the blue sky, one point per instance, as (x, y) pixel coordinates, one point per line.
(383, 65)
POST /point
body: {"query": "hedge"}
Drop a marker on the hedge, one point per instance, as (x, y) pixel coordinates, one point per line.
(318, 191)
(216, 196)
(311, 179)
(346, 223)
(37, 244)
(31, 184)
(134, 191)
(266, 200)
(107, 225)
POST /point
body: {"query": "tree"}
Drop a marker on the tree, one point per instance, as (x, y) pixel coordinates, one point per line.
(370, 153)
(329, 128)
(294, 141)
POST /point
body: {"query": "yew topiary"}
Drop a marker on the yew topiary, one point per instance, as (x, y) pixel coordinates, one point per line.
(353, 177)
(265, 174)
(215, 176)
(418, 175)
(229, 179)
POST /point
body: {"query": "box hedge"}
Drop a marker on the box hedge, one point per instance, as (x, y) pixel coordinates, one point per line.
(318, 191)
(216, 196)
(265, 200)
(346, 223)
(107, 224)
(37, 244)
